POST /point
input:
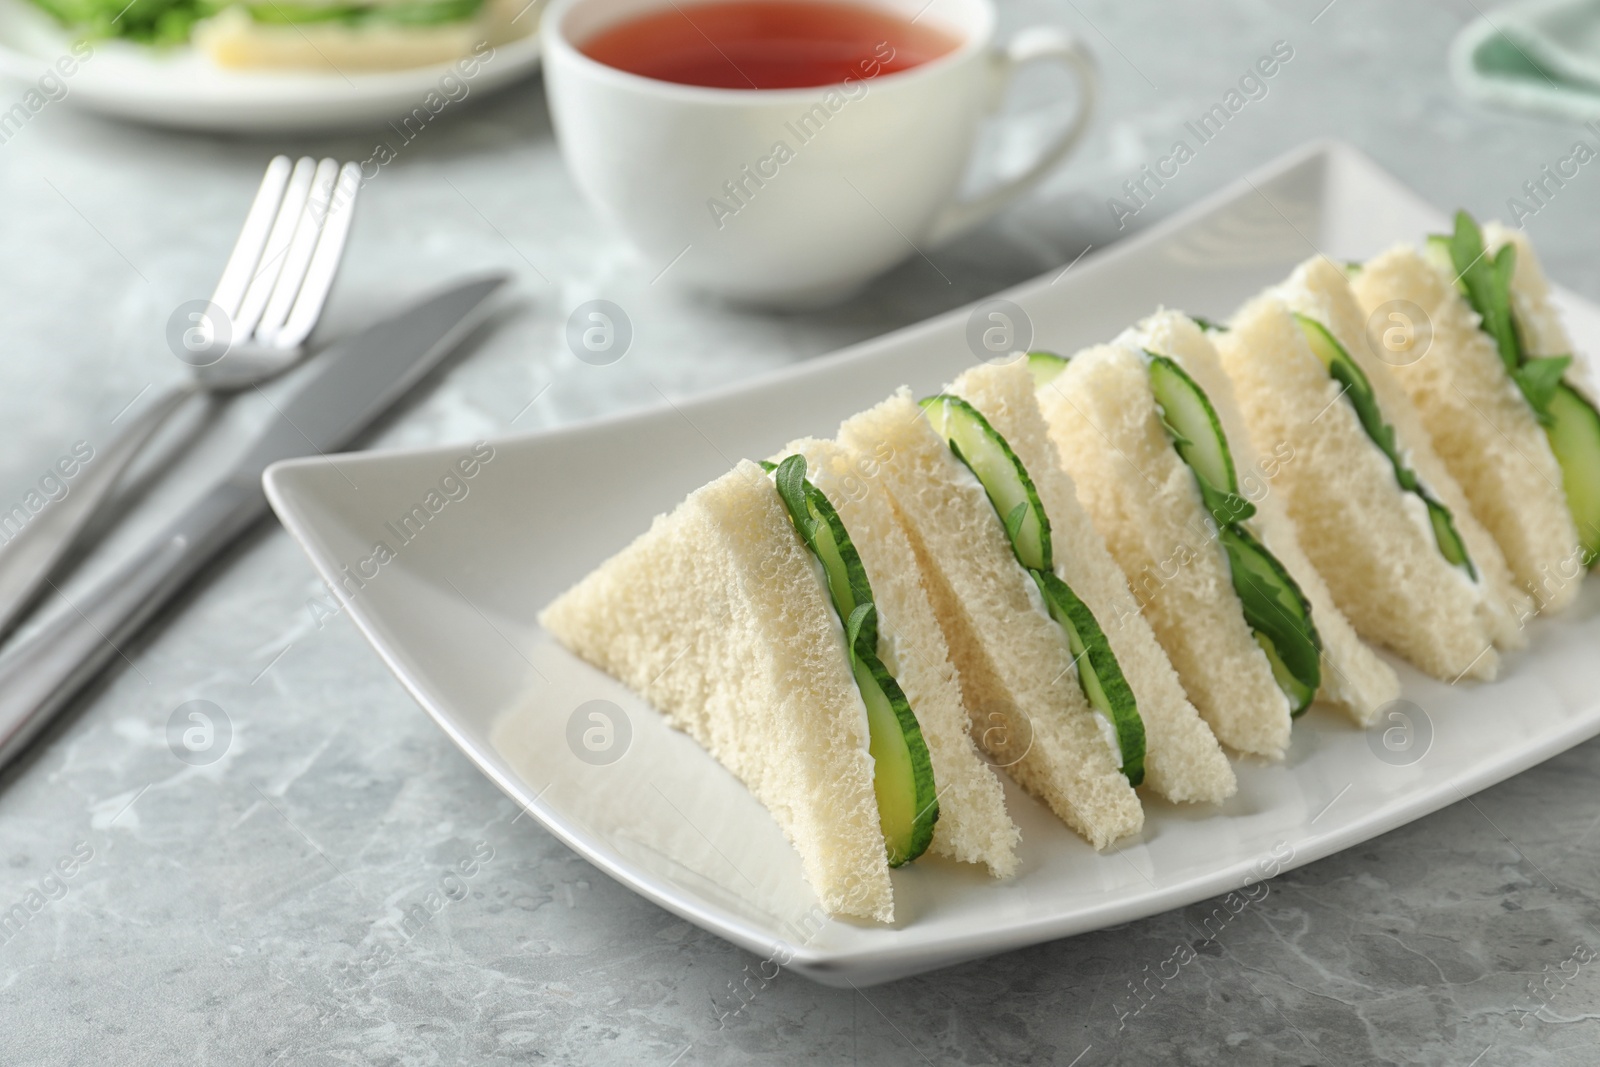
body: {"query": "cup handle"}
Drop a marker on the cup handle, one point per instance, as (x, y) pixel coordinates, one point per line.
(1032, 45)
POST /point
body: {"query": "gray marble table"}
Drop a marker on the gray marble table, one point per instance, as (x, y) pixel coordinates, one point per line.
(222, 914)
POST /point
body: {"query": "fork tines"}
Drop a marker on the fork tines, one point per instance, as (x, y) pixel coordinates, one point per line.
(273, 287)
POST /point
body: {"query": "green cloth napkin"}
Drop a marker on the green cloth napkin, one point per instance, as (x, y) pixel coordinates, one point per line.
(1540, 55)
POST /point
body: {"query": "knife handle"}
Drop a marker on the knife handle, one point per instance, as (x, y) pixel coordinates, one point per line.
(29, 557)
(45, 669)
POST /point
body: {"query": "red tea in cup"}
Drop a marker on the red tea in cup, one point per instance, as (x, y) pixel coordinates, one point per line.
(767, 44)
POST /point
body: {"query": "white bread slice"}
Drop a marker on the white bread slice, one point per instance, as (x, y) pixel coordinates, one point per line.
(1354, 678)
(1481, 425)
(718, 616)
(1369, 539)
(233, 40)
(973, 826)
(1014, 667)
(1143, 499)
(1321, 285)
(1182, 760)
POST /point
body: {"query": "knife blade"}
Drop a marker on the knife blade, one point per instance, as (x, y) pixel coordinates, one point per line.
(358, 380)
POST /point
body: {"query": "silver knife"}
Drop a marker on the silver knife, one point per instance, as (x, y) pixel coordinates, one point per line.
(360, 379)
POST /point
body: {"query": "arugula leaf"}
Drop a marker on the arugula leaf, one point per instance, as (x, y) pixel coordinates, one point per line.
(1538, 379)
(1277, 610)
(1486, 281)
(791, 483)
(1225, 507)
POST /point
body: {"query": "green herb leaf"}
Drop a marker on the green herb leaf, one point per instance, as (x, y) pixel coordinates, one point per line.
(791, 483)
(1225, 507)
(1207, 325)
(1279, 614)
(1538, 379)
(1486, 282)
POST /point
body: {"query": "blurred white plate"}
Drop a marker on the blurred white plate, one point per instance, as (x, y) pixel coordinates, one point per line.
(453, 615)
(180, 87)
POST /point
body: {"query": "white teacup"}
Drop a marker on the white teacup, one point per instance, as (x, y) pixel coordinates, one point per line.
(793, 196)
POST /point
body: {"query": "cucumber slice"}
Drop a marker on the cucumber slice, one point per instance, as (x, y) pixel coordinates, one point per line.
(1574, 433)
(1358, 390)
(1197, 433)
(1279, 614)
(1010, 489)
(1045, 366)
(1300, 695)
(902, 775)
(1099, 674)
(902, 772)
(1187, 413)
(1274, 607)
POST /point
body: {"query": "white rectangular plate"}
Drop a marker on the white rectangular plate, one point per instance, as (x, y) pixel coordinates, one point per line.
(453, 615)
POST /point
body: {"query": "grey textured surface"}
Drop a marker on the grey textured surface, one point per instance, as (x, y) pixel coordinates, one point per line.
(243, 912)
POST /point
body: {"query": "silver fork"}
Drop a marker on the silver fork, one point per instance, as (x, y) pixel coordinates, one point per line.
(254, 328)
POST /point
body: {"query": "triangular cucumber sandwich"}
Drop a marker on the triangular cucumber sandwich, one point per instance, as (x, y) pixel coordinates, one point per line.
(1496, 388)
(1068, 688)
(1148, 429)
(1374, 507)
(749, 617)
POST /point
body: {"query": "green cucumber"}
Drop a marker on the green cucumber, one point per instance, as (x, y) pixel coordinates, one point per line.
(1010, 489)
(1358, 390)
(1274, 607)
(1570, 422)
(1196, 433)
(902, 772)
(1099, 673)
(1278, 613)
(978, 445)
(902, 775)
(1045, 366)
(1574, 434)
